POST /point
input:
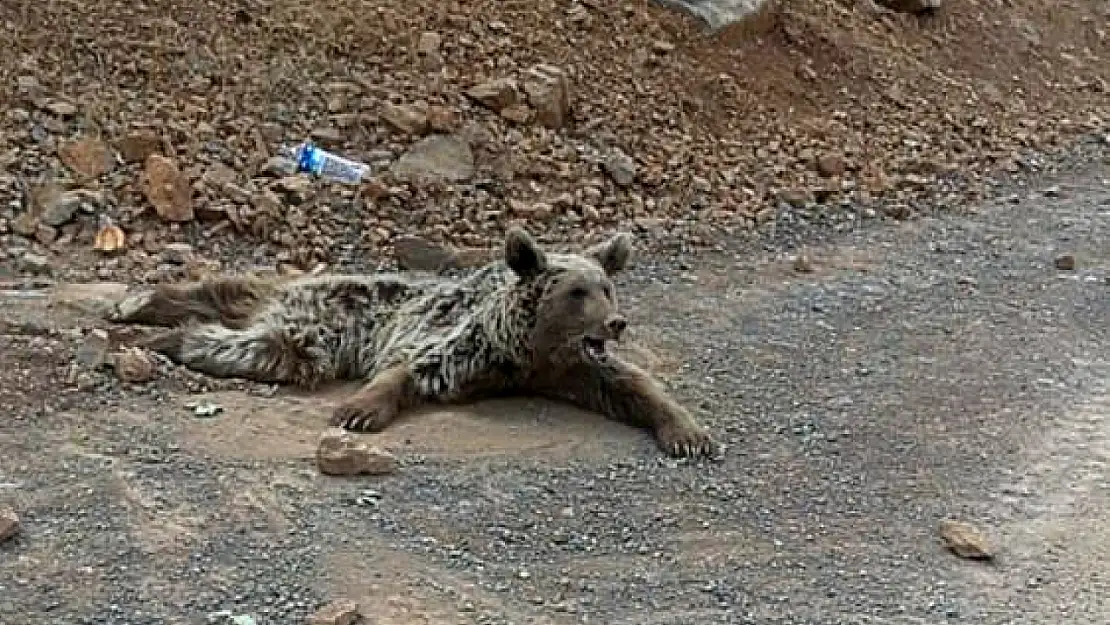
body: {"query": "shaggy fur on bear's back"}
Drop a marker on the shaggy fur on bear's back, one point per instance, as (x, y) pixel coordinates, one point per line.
(533, 321)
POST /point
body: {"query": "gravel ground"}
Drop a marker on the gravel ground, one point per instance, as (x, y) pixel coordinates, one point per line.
(943, 368)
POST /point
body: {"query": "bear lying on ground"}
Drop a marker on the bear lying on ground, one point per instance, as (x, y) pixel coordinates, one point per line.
(531, 322)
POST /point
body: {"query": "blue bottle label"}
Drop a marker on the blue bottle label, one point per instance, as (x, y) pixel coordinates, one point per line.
(309, 158)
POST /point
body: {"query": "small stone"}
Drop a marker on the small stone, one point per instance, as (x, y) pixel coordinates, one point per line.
(541, 211)
(92, 353)
(280, 166)
(797, 198)
(803, 263)
(177, 253)
(429, 43)
(901, 212)
(205, 409)
(25, 225)
(375, 189)
(445, 157)
(27, 86)
(496, 94)
(404, 119)
(914, 181)
(662, 47)
(9, 524)
(297, 188)
(652, 225)
(134, 365)
(549, 93)
(340, 453)
(35, 264)
(517, 114)
(338, 612)
(210, 212)
(87, 157)
(1065, 262)
(61, 108)
(441, 119)
(137, 146)
(168, 190)
(219, 176)
(328, 136)
(537, 211)
(831, 165)
(621, 168)
(60, 209)
(45, 234)
(965, 540)
(823, 195)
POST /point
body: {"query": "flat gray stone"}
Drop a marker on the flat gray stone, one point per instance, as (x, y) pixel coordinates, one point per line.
(443, 157)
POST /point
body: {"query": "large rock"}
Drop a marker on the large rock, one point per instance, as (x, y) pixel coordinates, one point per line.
(92, 353)
(405, 119)
(965, 540)
(429, 43)
(496, 94)
(549, 94)
(87, 157)
(60, 208)
(168, 189)
(443, 157)
(342, 453)
(137, 146)
(134, 365)
(9, 524)
(621, 168)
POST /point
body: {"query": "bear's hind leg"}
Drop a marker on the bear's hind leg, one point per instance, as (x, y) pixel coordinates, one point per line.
(260, 353)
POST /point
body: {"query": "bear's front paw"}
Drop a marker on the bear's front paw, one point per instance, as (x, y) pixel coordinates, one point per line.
(685, 438)
(361, 414)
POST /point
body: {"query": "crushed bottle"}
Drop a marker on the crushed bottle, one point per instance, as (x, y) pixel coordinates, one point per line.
(324, 164)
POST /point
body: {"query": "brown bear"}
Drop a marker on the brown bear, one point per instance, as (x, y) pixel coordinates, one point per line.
(532, 321)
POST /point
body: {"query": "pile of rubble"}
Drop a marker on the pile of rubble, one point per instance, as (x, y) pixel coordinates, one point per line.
(143, 146)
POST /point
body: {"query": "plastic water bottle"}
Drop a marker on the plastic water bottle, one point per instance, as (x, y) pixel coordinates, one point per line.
(324, 164)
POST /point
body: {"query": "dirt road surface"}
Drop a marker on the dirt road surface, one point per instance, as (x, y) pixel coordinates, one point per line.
(941, 368)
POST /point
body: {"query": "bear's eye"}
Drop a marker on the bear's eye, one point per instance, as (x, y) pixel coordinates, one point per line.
(579, 293)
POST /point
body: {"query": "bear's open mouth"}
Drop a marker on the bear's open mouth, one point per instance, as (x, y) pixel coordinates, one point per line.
(594, 348)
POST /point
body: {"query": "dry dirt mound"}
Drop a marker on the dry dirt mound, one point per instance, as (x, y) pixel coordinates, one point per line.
(824, 108)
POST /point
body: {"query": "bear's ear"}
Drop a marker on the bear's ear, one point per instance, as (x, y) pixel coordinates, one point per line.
(613, 254)
(522, 254)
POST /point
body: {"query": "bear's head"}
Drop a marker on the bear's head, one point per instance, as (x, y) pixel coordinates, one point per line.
(576, 311)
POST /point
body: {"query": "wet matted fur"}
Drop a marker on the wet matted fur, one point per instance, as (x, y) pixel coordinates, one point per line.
(532, 322)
